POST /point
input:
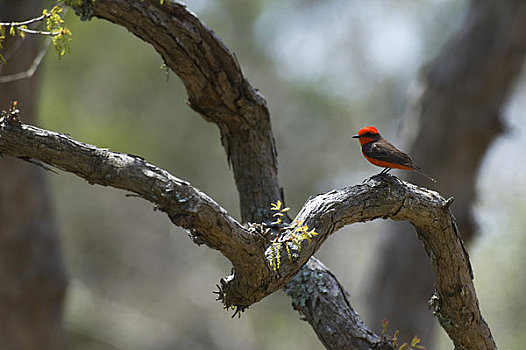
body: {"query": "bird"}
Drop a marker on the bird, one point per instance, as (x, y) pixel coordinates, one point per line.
(380, 152)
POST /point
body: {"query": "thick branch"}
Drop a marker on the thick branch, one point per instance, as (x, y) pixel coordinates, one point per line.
(455, 302)
(185, 205)
(321, 299)
(454, 113)
(219, 92)
(216, 89)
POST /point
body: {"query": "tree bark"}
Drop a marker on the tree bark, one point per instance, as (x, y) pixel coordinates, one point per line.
(455, 303)
(32, 277)
(219, 92)
(453, 115)
(216, 89)
(319, 297)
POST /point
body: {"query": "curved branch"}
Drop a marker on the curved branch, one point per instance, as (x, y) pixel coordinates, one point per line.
(454, 114)
(455, 302)
(185, 205)
(216, 89)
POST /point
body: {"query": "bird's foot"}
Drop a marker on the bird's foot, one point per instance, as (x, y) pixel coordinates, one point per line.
(382, 174)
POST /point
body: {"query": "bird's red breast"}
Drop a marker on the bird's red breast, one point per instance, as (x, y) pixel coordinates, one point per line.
(380, 152)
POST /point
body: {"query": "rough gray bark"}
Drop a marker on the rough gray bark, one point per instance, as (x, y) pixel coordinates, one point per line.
(453, 115)
(455, 302)
(216, 89)
(319, 297)
(32, 277)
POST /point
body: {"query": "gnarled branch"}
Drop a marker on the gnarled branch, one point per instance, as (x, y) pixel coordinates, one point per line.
(317, 294)
(455, 302)
(216, 89)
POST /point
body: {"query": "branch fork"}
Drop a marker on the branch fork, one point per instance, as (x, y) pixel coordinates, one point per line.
(247, 248)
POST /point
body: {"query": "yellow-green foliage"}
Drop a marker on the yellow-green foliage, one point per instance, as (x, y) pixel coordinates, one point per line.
(61, 35)
(54, 24)
(277, 207)
(414, 345)
(298, 233)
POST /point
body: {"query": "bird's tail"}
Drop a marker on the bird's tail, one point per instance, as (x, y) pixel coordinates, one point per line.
(425, 175)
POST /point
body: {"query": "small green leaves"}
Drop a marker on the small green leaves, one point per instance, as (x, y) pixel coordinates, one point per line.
(61, 42)
(277, 207)
(21, 31)
(297, 233)
(61, 34)
(414, 345)
(275, 256)
(53, 23)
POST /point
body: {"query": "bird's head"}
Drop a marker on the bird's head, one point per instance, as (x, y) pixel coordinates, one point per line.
(367, 134)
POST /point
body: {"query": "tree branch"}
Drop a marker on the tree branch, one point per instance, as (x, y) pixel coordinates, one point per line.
(185, 205)
(321, 299)
(28, 73)
(216, 89)
(455, 302)
(454, 113)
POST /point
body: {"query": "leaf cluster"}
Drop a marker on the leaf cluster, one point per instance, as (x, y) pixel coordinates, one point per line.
(61, 34)
(414, 345)
(299, 232)
(54, 27)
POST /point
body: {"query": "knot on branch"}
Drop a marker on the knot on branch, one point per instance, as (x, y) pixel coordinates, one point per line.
(222, 296)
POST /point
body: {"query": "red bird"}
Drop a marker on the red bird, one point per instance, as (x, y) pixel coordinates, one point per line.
(382, 153)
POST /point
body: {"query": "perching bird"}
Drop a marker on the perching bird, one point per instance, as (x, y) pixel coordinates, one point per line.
(382, 153)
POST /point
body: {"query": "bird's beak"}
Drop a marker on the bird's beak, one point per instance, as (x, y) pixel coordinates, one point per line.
(356, 136)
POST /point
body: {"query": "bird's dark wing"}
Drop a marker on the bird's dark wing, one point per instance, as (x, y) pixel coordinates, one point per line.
(385, 151)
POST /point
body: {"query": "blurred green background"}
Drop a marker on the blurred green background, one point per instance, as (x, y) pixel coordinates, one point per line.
(326, 68)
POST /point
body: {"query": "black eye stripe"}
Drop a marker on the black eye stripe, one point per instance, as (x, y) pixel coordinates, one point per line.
(368, 134)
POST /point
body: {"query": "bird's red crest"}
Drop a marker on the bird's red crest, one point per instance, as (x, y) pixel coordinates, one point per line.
(367, 130)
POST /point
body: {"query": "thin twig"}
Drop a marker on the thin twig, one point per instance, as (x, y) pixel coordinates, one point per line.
(41, 32)
(23, 23)
(32, 69)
